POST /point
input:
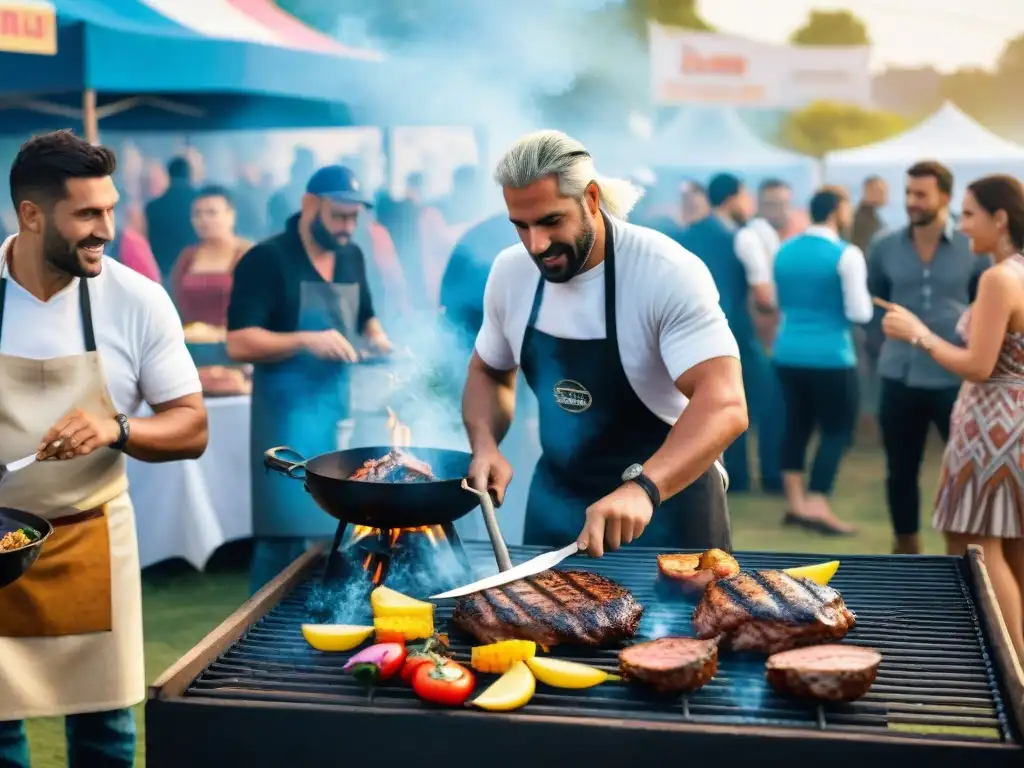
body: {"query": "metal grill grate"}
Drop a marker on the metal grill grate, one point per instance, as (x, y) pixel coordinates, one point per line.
(936, 677)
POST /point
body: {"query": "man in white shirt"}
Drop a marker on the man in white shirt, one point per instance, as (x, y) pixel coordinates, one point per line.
(84, 341)
(620, 335)
(756, 245)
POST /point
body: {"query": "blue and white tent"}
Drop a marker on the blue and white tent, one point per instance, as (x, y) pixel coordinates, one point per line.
(699, 142)
(184, 65)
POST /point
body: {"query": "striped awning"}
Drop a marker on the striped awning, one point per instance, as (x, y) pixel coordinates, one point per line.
(177, 64)
(254, 21)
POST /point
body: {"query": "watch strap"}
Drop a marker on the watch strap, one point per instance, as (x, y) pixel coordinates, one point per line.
(122, 438)
(649, 488)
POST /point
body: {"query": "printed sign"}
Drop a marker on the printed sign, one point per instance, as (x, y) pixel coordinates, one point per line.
(28, 27)
(706, 68)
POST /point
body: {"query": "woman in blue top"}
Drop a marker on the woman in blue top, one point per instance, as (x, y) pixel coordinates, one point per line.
(821, 284)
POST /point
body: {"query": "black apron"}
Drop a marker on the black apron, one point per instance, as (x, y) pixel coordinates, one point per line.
(301, 402)
(592, 427)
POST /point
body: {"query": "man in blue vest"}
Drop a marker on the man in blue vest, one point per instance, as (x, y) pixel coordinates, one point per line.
(713, 239)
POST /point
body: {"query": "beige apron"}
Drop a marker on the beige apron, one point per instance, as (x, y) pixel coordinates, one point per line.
(71, 627)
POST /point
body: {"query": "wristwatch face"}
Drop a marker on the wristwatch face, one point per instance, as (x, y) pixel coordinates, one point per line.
(632, 472)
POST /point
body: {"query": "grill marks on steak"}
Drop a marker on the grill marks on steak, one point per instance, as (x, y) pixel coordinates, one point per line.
(552, 608)
(771, 611)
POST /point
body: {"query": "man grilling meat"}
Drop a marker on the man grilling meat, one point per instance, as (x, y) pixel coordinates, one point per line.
(622, 339)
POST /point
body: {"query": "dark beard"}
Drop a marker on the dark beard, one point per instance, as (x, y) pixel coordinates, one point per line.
(576, 255)
(63, 256)
(924, 218)
(324, 238)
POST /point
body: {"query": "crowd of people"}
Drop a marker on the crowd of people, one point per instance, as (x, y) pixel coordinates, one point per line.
(933, 310)
(804, 288)
(650, 350)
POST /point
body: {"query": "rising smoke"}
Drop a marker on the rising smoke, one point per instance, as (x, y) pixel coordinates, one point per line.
(495, 60)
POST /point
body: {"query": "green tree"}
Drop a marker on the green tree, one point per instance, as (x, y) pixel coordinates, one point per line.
(834, 28)
(1011, 62)
(671, 13)
(825, 126)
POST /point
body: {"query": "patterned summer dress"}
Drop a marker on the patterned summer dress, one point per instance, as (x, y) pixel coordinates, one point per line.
(981, 489)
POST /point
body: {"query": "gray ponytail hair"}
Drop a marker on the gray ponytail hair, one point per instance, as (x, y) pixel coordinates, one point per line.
(537, 155)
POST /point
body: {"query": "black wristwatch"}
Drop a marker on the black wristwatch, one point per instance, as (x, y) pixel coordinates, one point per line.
(635, 474)
(122, 439)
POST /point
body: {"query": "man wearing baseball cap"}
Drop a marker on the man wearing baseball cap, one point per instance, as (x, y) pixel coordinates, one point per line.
(300, 312)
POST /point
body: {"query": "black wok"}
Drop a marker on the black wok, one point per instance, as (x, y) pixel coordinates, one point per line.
(14, 563)
(380, 505)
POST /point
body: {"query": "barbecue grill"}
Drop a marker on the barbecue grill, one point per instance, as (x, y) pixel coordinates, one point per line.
(948, 690)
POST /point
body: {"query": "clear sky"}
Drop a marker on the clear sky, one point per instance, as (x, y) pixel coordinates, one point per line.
(947, 34)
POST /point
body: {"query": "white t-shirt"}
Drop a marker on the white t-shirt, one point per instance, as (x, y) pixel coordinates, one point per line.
(756, 245)
(138, 333)
(666, 307)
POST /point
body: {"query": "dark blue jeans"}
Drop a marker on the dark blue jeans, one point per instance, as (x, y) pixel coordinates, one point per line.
(95, 740)
(767, 416)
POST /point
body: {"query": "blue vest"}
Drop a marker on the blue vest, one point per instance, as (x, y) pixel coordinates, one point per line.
(814, 331)
(713, 243)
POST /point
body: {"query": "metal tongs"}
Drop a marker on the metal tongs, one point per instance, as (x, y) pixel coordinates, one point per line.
(491, 520)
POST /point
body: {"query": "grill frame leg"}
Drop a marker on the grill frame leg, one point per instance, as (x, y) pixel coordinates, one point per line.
(334, 559)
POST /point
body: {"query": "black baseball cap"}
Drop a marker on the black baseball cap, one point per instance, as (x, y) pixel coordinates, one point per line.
(337, 184)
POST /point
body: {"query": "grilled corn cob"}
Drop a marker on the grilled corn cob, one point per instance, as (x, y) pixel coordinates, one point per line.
(499, 657)
(389, 629)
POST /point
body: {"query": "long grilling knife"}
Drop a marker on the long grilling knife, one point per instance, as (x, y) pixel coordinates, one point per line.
(521, 571)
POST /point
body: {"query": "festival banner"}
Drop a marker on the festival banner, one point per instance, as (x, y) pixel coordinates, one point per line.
(707, 68)
(28, 26)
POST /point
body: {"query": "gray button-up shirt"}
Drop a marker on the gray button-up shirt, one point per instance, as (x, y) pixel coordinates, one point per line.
(937, 292)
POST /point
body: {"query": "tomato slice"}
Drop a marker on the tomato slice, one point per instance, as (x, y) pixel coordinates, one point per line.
(449, 685)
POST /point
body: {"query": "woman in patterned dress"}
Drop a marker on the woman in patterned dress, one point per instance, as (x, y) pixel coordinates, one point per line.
(981, 491)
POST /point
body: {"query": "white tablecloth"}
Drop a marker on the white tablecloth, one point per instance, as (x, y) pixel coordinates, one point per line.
(188, 509)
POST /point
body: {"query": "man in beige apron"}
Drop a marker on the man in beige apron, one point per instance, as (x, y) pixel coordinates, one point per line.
(71, 628)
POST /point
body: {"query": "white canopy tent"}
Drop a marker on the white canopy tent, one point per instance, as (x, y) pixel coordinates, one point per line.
(953, 138)
(699, 142)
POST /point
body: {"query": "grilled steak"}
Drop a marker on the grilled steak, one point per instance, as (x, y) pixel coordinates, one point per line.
(771, 611)
(827, 672)
(671, 664)
(552, 608)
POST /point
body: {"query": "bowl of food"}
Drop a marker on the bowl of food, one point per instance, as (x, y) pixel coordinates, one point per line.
(21, 540)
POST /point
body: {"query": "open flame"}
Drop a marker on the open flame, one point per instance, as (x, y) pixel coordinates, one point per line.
(374, 562)
(388, 540)
(399, 433)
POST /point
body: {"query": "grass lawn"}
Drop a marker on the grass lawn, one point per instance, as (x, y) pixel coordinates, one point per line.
(181, 606)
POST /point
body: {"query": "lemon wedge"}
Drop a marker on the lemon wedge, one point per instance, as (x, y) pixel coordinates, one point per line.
(335, 637)
(387, 602)
(567, 674)
(510, 691)
(820, 573)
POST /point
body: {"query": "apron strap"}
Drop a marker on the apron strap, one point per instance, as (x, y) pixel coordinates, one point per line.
(84, 306)
(3, 295)
(611, 333)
